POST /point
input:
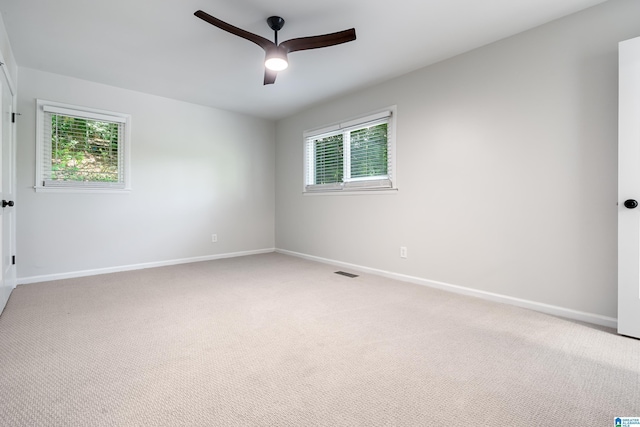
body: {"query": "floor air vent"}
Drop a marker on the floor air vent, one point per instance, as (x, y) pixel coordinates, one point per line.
(344, 273)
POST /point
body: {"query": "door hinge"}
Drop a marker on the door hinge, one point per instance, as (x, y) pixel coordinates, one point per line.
(13, 117)
(13, 260)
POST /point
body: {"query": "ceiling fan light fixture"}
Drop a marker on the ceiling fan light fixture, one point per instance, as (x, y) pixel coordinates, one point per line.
(276, 61)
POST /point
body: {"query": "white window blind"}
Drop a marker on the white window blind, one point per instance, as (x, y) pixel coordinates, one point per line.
(353, 155)
(81, 148)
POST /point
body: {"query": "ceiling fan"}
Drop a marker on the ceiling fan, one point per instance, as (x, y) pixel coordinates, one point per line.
(276, 54)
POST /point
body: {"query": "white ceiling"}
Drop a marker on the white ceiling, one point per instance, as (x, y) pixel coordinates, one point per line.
(160, 47)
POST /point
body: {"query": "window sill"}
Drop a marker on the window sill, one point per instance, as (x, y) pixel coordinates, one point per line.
(385, 191)
(83, 190)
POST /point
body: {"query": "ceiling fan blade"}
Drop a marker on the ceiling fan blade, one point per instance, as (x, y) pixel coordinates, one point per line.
(259, 40)
(315, 42)
(270, 76)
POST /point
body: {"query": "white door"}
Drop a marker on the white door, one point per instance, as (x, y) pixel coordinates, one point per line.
(7, 239)
(629, 189)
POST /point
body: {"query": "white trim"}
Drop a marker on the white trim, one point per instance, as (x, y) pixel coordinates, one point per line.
(356, 121)
(92, 190)
(5, 70)
(322, 132)
(91, 113)
(368, 119)
(351, 192)
(85, 273)
(568, 313)
(554, 310)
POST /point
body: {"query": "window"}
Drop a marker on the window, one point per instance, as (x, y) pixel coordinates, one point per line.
(350, 156)
(81, 149)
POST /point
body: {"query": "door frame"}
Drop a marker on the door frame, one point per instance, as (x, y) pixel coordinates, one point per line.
(11, 280)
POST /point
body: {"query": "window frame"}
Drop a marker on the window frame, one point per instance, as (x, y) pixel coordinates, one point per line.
(361, 185)
(124, 149)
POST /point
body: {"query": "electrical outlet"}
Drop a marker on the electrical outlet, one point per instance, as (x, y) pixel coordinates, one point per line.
(403, 251)
(214, 238)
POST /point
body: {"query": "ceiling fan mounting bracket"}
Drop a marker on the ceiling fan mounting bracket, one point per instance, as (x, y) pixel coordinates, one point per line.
(275, 23)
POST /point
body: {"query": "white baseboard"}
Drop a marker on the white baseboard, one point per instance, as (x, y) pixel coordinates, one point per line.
(84, 273)
(568, 313)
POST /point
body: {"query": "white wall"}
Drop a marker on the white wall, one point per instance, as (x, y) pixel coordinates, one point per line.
(506, 163)
(195, 171)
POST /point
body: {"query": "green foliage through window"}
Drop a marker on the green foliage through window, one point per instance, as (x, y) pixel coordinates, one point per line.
(366, 151)
(84, 149)
(328, 159)
(369, 151)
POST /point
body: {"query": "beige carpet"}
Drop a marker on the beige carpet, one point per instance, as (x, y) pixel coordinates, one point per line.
(271, 340)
